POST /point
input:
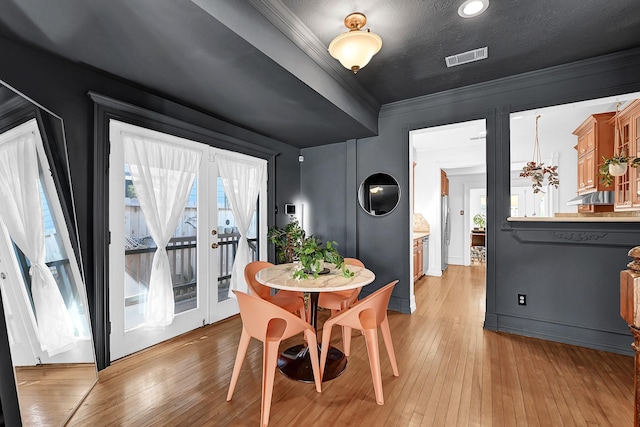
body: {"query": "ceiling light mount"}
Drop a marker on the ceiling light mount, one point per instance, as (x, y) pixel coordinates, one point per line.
(355, 21)
(355, 48)
(472, 8)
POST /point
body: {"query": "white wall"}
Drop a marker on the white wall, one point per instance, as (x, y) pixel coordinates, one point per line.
(464, 194)
(427, 201)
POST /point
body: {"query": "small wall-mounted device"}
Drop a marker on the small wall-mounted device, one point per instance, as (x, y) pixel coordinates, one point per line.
(290, 209)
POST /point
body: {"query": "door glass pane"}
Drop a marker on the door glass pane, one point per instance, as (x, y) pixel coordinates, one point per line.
(228, 236)
(140, 247)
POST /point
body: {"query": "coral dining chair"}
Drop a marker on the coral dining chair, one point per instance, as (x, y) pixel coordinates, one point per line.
(270, 324)
(338, 301)
(291, 301)
(366, 315)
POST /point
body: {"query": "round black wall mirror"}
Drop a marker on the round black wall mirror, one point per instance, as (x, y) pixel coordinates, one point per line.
(379, 194)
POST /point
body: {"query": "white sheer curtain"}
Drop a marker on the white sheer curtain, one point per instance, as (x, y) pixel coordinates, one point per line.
(241, 179)
(162, 174)
(21, 212)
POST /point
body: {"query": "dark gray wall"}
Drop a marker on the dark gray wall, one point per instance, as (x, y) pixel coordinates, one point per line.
(321, 183)
(569, 271)
(330, 178)
(63, 88)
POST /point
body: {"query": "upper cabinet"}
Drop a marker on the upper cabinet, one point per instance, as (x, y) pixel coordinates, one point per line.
(444, 183)
(627, 140)
(595, 139)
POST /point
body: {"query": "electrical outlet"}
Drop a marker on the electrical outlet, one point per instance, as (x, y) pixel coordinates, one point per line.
(522, 299)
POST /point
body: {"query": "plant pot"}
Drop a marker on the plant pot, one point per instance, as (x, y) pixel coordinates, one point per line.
(536, 175)
(617, 169)
(317, 266)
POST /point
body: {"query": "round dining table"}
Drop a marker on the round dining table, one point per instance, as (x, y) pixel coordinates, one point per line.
(295, 362)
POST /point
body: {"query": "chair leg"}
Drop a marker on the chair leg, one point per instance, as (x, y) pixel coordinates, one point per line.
(371, 338)
(326, 339)
(386, 337)
(315, 364)
(240, 355)
(346, 340)
(269, 363)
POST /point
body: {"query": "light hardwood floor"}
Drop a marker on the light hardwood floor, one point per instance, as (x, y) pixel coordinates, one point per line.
(452, 373)
(50, 393)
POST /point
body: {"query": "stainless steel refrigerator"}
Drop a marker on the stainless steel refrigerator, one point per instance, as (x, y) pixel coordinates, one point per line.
(446, 231)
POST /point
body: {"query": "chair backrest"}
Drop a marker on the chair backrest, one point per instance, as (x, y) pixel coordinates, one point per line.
(354, 261)
(262, 319)
(376, 303)
(250, 276)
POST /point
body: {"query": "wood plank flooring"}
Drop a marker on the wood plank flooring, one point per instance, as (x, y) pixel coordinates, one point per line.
(50, 393)
(452, 373)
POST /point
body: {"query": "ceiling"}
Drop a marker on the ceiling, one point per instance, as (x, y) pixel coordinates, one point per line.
(263, 64)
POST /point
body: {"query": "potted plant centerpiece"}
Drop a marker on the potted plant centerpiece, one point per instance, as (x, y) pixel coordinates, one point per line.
(312, 256)
(293, 245)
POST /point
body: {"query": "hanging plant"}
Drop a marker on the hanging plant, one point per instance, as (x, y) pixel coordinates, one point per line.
(537, 171)
(617, 164)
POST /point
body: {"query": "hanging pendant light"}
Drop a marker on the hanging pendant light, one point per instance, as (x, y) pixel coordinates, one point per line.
(355, 48)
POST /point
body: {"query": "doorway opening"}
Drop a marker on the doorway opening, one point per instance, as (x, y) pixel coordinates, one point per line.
(456, 155)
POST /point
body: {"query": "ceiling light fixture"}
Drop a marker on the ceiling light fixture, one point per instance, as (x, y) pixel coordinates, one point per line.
(472, 8)
(355, 48)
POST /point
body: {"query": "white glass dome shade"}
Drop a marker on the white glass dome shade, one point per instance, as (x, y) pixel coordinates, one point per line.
(354, 49)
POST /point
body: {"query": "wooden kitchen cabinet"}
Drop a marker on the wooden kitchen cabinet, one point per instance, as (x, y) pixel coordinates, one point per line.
(595, 139)
(444, 183)
(417, 259)
(627, 140)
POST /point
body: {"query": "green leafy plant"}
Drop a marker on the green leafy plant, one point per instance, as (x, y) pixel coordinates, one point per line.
(292, 245)
(479, 220)
(617, 159)
(312, 255)
(286, 241)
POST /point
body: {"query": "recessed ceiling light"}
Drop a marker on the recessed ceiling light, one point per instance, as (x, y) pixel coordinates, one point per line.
(471, 8)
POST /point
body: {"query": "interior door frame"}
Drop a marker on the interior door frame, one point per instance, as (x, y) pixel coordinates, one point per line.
(105, 109)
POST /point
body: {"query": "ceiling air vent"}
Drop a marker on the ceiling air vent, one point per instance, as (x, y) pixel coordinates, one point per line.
(463, 58)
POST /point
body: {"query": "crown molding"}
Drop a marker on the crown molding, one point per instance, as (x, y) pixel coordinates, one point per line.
(600, 65)
(272, 31)
(295, 30)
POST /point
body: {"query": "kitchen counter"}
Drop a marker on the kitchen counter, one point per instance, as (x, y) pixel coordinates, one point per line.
(420, 234)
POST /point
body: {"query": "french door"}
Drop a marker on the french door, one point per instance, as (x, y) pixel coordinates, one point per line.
(201, 251)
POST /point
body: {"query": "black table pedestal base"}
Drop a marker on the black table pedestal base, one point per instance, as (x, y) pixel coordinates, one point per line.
(295, 363)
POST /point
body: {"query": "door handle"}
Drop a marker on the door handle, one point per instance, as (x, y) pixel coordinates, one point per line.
(214, 246)
(3, 276)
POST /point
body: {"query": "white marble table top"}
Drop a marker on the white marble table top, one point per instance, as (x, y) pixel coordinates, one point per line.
(281, 277)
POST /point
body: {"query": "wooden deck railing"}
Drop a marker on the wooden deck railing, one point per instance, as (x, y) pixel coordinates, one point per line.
(182, 258)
